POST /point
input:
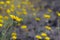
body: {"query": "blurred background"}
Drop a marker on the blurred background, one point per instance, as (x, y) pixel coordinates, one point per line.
(29, 19)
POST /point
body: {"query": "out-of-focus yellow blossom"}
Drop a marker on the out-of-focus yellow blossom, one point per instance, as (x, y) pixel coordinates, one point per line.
(16, 18)
(43, 34)
(6, 17)
(38, 37)
(23, 2)
(37, 19)
(25, 13)
(13, 16)
(47, 38)
(19, 19)
(1, 2)
(8, 2)
(23, 27)
(48, 27)
(14, 37)
(1, 21)
(19, 6)
(12, 10)
(23, 9)
(1, 17)
(1, 25)
(8, 11)
(47, 16)
(49, 10)
(58, 13)
(14, 34)
(29, 3)
(12, 6)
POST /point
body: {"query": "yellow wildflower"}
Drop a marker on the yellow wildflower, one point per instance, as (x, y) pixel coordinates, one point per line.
(1, 2)
(1, 21)
(37, 19)
(19, 6)
(8, 11)
(14, 37)
(23, 27)
(1, 25)
(12, 6)
(48, 27)
(58, 14)
(6, 17)
(19, 19)
(13, 34)
(49, 10)
(1, 17)
(47, 38)
(47, 16)
(8, 2)
(13, 16)
(38, 37)
(25, 13)
(43, 34)
(12, 10)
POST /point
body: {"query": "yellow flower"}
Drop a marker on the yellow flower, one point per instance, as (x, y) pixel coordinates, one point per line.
(14, 34)
(23, 9)
(1, 25)
(13, 16)
(43, 34)
(58, 14)
(8, 11)
(1, 21)
(23, 27)
(25, 13)
(49, 10)
(14, 37)
(29, 3)
(8, 2)
(6, 17)
(1, 2)
(12, 6)
(48, 27)
(37, 19)
(38, 37)
(1, 17)
(47, 38)
(12, 10)
(23, 2)
(19, 6)
(19, 19)
(47, 16)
